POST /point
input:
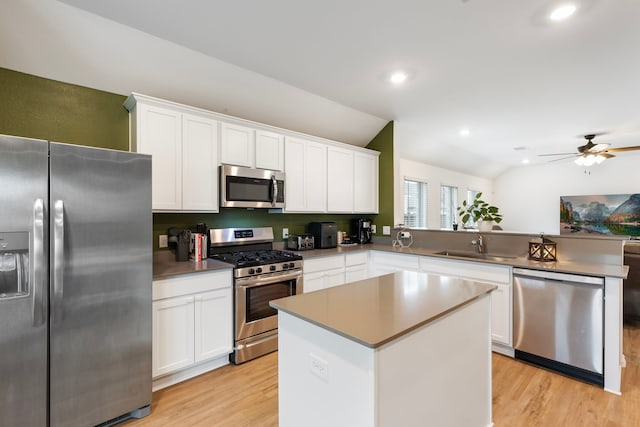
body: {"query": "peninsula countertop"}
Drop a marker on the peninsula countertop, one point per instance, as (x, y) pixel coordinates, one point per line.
(378, 310)
(568, 266)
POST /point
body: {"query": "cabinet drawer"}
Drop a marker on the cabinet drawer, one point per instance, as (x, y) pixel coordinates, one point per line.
(356, 258)
(325, 263)
(191, 284)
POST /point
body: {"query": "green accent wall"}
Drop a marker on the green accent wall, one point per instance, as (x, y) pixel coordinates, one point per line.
(36, 107)
(383, 142)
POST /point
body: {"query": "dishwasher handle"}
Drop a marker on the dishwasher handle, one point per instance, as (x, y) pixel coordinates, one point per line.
(562, 277)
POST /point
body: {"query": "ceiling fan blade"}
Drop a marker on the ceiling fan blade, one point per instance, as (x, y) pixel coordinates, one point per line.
(606, 155)
(564, 158)
(557, 154)
(620, 149)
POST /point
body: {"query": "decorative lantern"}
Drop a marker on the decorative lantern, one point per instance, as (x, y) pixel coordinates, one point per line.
(542, 249)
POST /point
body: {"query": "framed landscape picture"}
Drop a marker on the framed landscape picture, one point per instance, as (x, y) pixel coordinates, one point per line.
(600, 214)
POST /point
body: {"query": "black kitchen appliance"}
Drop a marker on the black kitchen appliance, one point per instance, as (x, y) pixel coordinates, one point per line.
(325, 234)
(361, 230)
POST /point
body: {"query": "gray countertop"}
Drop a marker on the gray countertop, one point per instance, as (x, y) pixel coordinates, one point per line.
(165, 265)
(560, 266)
(376, 311)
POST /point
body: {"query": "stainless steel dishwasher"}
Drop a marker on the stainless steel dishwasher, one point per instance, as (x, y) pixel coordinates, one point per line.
(558, 322)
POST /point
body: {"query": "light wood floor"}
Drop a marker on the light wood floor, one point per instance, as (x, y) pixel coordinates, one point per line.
(247, 395)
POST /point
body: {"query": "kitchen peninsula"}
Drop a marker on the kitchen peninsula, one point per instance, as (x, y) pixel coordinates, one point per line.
(398, 349)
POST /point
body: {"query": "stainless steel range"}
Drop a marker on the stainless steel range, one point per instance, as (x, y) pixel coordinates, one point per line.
(261, 274)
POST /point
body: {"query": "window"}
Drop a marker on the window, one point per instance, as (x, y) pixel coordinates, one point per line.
(415, 204)
(448, 205)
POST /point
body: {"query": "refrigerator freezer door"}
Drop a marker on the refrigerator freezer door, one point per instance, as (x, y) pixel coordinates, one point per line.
(100, 331)
(23, 270)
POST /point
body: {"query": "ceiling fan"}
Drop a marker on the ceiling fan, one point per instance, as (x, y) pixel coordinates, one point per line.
(590, 153)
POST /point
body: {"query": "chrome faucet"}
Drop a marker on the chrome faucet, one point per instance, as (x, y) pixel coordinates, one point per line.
(479, 244)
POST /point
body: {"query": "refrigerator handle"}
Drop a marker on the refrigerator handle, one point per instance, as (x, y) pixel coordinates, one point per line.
(38, 263)
(58, 261)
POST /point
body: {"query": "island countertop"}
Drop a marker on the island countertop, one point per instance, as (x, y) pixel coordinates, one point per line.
(378, 310)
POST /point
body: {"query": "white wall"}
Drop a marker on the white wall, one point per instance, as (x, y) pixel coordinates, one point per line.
(434, 177)
(529, 197)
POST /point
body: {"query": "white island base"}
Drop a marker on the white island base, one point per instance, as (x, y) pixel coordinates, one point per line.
(436, 375)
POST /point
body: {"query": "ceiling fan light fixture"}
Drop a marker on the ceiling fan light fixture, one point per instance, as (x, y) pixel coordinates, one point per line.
(562, 12)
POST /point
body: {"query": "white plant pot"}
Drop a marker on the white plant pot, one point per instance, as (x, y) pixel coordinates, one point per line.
(485, 225)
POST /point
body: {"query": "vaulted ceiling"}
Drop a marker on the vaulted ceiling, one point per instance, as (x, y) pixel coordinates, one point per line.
(521, 84)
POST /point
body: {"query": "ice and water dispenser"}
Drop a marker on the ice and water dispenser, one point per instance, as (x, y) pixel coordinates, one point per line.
(14, 264)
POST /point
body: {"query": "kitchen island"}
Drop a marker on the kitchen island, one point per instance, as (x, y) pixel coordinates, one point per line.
(405, 348)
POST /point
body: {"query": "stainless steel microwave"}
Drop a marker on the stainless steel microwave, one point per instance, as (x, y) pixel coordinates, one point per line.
(242, 187)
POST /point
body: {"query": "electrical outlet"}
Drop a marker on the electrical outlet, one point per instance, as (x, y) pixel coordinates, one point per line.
(319, 367)
(386, 230)
(373, 228)
(285, 233)
(163, 241)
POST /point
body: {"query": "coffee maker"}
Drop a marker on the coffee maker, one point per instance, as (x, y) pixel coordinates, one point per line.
(361, 230)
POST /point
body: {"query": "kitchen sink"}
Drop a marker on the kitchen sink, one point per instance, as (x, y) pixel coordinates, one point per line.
(475, 255)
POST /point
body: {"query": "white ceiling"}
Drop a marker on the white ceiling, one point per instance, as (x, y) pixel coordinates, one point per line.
(499, 68)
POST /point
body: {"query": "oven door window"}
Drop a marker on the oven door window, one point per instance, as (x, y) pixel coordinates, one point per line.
(258, 298)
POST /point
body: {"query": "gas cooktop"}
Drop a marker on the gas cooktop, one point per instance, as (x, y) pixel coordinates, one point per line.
(253, 258)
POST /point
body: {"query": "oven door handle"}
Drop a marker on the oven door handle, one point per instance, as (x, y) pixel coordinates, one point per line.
(251, 282)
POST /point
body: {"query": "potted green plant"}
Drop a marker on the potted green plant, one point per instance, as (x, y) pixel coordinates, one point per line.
(479, 211)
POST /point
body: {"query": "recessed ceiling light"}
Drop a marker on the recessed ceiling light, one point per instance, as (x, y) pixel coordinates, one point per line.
(398, 77)
(525, 161)
(464, 132)
(562, 12)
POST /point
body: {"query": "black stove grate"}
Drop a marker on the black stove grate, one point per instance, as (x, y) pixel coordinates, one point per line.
(252, 258)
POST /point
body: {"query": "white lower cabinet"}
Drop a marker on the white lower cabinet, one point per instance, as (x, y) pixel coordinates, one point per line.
(501, 305)
(173, 334)
(192, 325)
(356, 266)
(323, 272)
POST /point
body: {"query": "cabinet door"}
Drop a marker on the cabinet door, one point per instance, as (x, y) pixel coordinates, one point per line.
(173, 332)
(316, 177)
(365, 183)
(200, 164)
(306, 168)
(334, 278)
(501, 314)
(237, 145)
(269, 150)
(213, 324)
(313, 282)
(160, 134)
(340, 196)
(294, 155)
(355, 273)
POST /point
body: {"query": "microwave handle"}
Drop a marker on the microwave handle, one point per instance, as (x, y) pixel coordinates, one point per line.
(274, 190)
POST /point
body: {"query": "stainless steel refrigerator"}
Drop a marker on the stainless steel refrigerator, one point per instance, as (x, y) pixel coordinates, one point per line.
(75, 284)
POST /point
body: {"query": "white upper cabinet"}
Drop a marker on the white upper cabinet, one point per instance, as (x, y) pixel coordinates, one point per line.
(159, 133)
(352, 182)
(184, 150)
(237, 145)
(340, 180)
(269, 150)
(306, 176)
(365, 182)
(199, 172)
(251, 147)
